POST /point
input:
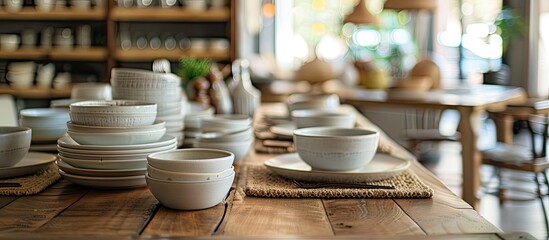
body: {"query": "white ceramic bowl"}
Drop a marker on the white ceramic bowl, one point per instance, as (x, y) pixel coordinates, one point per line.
(239, 136)
(113, 107)
(157, 125)
(14, 144)
(239, 149)
(315, 118)
(192, 160)
(226, 123)
(190, 195)
(128, 78)
(312, 101)
(117, 138)
(337, 149)
(148, 95)
(112, 120)
(183, 176)
(91, 90)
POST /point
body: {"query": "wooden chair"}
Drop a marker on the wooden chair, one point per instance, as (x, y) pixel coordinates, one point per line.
(527, 158)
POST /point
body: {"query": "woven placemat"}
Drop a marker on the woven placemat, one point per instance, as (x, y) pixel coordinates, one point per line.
(261, 182)
(31, 184)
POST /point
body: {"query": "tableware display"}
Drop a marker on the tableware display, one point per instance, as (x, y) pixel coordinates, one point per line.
(336, 149)
(106, 182)
(298, 101)
(14, 144)
(31, 163)
(190, 195)
(381, 167)
(47, 124)
(316, 118)
(194, 160)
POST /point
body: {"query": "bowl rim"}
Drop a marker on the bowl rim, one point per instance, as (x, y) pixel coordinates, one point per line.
(312, 132)
(155, 156)
(14, 130)
(110, 104)
(217, 180)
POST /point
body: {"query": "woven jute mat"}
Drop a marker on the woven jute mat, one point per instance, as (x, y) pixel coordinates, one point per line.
(261, 182)
(31, 184)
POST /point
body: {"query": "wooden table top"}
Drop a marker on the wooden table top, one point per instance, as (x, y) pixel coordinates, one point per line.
(67, 210)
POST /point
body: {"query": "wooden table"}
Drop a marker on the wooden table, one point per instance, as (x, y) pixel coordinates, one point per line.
(470, 102)
(69, 211)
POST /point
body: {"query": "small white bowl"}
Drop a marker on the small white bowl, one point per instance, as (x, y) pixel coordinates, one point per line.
(336, 149)
(315, 118)
(226, 123)
(14, 144)
(119, 138)
(192, 160)
(238, 136)
(312, 101)
(184, 176)
(190, 195)
(239, 149)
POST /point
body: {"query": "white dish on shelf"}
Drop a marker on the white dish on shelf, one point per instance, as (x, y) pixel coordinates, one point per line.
(68, 142)
(106, 182)
(381, 167)
(99, 172)
(31, 163)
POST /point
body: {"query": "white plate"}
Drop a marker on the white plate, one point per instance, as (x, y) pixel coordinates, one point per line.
(381, 167)
(116, 152)
(99, 172)
(106, 182)
(68, 142)
(31, 163)
(285, 129)
(106, 165)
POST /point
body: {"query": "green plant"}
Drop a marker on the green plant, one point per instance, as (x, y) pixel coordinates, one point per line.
(191, 68)
(509, 26)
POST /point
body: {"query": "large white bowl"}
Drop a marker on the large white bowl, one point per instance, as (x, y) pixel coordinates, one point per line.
(112, 120)
(149, 95)
(158, 125)
(117, 138)
(338, 149)
(113, 107)
(190, 195)
(184, 176)
(226, 122)
(14, 144)
(316, 118)
(192, 160)
(238, 136)
(239, 149)
(44, 116)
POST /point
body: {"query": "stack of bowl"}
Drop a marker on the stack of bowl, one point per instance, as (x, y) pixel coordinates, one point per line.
(21, 74)
(160, 88)
(47, 124)
(190, 179)
(193, 113)
(229, 132)
(108, 143)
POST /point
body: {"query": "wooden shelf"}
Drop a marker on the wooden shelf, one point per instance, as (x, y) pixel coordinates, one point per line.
(74, 54)
(30, 13)
(149, 55)
(35, 92)
(170, 14)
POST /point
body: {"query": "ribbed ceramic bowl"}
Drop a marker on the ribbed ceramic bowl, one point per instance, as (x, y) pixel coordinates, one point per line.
(336, 149)
(14, 144)
(113, 107)
(143, 79)
(187, 195)
(192, 160)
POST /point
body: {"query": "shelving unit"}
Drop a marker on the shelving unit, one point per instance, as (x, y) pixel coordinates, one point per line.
(109, 54)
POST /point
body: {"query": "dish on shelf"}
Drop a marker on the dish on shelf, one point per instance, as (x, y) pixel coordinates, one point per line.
(31, 163)
(381, 167)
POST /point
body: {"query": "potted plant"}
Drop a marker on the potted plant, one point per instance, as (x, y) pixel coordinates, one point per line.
(189, 70)
(509, 26)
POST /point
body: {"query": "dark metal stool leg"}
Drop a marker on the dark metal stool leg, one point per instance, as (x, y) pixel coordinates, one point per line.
(540, 196)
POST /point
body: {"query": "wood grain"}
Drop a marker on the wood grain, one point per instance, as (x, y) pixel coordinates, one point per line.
(371, 217)
(30, 213)
(117, 212)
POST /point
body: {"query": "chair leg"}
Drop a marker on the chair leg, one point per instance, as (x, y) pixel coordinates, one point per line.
(540, 196)
(500, 189)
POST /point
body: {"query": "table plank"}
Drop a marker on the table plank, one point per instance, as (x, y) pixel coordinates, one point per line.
(116, 212)
(357, 216)
(29, 213)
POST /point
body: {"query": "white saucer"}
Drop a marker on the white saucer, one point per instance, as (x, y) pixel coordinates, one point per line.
(284, 130)
(31, 163)
(68, 142)
(106, 182)
(99, 172)
(381, 167)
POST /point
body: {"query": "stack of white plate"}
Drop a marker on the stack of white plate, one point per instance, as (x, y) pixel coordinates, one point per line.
(21, 74)
(161, 88)
(108, 143)
(194, 112)
(229, 132)
(104, 166)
